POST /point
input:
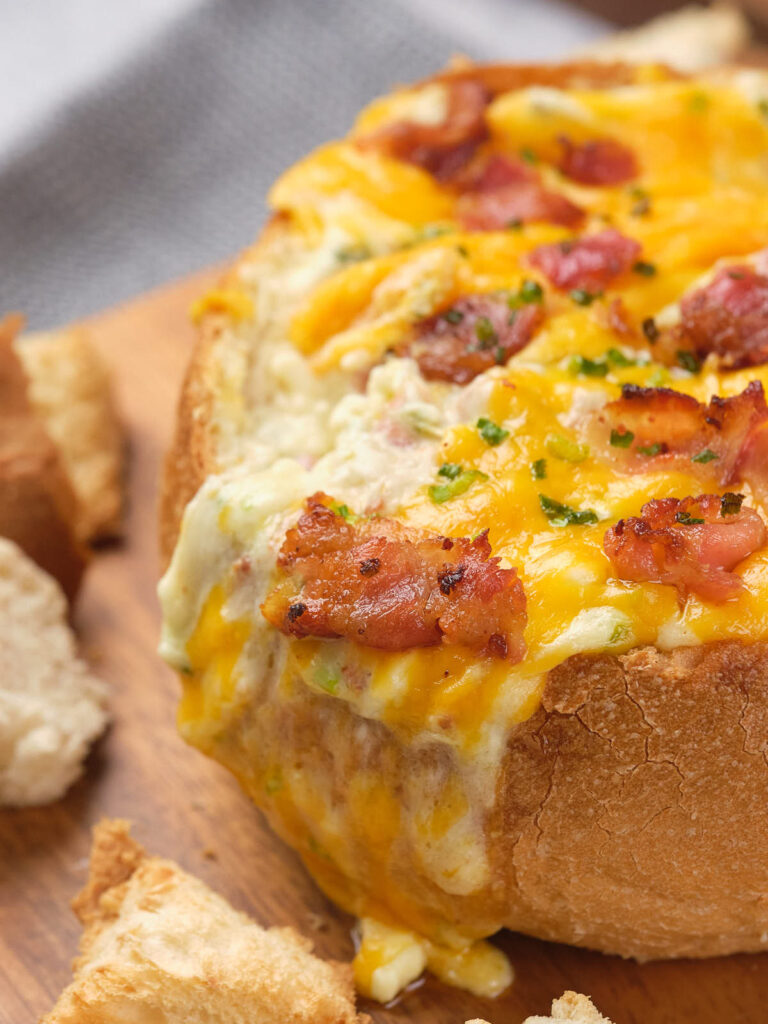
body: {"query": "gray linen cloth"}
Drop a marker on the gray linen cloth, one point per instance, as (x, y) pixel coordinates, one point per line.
(138, 140)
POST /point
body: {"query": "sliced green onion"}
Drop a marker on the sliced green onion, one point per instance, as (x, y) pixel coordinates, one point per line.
(707, 455)
(566, 449)
(564, 515)
(587, 367)
(622, 438)
(491, 432)
(440, 493)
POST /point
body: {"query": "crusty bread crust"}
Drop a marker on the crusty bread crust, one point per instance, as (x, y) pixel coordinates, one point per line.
(38, 507)
(631, 811)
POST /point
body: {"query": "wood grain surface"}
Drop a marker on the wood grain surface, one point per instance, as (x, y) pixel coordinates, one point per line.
(186, 807)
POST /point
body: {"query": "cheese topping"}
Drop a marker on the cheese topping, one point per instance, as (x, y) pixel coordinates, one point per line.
(315, 391)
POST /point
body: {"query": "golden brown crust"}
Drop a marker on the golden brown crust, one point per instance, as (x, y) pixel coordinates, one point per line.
(38, 507)
(630, 815)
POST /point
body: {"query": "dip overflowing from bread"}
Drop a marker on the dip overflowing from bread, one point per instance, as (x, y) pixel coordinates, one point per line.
(466, 517)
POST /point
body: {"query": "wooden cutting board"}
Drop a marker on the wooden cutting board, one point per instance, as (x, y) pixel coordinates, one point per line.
(186, 807)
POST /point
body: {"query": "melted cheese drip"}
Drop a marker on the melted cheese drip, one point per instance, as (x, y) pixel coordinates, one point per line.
(389, 959)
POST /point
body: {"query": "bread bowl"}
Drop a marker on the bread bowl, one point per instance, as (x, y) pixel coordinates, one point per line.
(528, 300)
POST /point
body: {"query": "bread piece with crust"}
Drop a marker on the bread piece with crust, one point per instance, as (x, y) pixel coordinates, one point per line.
(571, 1006)
(159, 945)
(70, 390)
(51, 706)
(38, 506)
(690, 38)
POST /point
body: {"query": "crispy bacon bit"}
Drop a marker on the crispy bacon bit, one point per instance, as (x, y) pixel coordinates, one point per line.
(441, 149)
(507, 192)
(598, 162)
(589, 263)
(724, 441)
(426, 589)
(690, 544)
(476, 333)
(729, 317)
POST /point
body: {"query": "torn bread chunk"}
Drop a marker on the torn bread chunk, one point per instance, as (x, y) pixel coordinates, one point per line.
(571, 1007)
(691, 38)
(159, 947)
(69, 389)
(51, 706)
(38, 505)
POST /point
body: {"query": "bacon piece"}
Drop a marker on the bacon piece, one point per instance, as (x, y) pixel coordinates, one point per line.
(728, 437)
(508, 191)
(453, 346)
(590, 262)
(728, 316)
(390, 586)
(441, 149)
(598, 162)
(690, 544)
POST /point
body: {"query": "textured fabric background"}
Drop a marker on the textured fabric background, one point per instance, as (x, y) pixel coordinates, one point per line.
(138, 139)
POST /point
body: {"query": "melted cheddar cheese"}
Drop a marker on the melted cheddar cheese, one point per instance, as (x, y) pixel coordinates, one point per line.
(309, 395)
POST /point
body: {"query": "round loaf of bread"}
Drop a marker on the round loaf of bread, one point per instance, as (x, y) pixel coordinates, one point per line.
(468, 575)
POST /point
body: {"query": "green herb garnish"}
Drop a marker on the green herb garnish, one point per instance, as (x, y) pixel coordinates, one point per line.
(587, 367)
(440, 493)
(622, 438)
(582, 297)
(687, 519)
(617, 357)
(345, 512)
(646, 269)
(707, 455)
(453, 316)
(565, 449)
(527, 154)
(485, 333)
(651, 449)
(353, 254)
(688, 361)
(491, 432)
(529, 292)
(326, 678)
(563, 515)
(730, 503)
(539, 469)
(450, 470)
